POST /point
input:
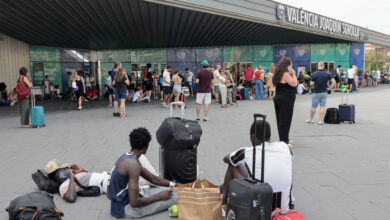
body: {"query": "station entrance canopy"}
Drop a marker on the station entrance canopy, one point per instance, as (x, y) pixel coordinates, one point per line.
(115, 24)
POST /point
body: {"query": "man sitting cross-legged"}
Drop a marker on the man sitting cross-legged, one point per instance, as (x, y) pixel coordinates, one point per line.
(278, 166)
(128, 198)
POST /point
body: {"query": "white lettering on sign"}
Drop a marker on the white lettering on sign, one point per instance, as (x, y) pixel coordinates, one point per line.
(308, 19)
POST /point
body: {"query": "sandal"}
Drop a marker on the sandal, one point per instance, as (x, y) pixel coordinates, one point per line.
(123, 116)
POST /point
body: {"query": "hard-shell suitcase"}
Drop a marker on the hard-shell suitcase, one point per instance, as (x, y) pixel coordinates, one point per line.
(332, 116)
(346, 111)
(37, 115)
(179, 139)
(245, 93)
(251, 199)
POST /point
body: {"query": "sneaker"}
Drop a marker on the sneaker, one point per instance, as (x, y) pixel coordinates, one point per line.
(80, 107)
(164, 104)
(320, 123)
(308, 121)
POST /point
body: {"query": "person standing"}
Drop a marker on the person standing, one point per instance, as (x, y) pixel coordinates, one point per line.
(88, 83)
(149, 82)
(351, 77)
(230, 86)
(109, 87)
(222, 87)
(259, 78)
(269, 85)
(364, 79)
(190, 78)
(248, 73)
(114, 71)
(216, 83)
(80, 88)
(24, 105)
(176, 86)
(320, 93)
(205, 81)
(377, 77)
(285, 82)
(121, 81)
(93, 81)
(167, 86)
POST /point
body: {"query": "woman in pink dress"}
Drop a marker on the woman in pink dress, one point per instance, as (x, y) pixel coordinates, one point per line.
(364, 80)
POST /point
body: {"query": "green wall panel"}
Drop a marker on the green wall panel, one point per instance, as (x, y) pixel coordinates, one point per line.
(344, 65)
(53, 70)
(342, 53)
(263, 53)
(45, 54)
(114, 55)
(236, 54)
(149, 56)
(322, 52)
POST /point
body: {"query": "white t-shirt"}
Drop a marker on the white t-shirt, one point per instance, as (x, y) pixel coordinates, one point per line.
(93, 82)
(300, 89)
(136, 96)
(87, 82)
(109, 81)
(378, 74)
(220, 82)
(278, 168)
(351, 73)
(190, 76)
(166, 77)
(338, 70)
(216, 77)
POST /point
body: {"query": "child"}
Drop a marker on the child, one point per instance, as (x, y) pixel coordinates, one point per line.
(51, 88)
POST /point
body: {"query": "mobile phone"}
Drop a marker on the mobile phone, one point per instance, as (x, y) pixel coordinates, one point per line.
(289, 68)
(63, 174)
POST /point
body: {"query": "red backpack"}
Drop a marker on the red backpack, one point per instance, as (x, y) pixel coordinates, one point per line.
(294, 215)
(22, 90)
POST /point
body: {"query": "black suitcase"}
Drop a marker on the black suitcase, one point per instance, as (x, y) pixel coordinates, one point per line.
(179, 139)
(332, 116)
(249, 198)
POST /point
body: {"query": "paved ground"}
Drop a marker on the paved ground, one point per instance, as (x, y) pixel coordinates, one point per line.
(340, 171)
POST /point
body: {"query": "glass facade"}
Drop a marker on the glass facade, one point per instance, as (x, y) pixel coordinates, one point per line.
(56, 63)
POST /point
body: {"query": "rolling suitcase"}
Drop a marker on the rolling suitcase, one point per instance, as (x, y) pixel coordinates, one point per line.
(179, 139)
(245, 93)
(346, 112)
(332, 116)
(251, 199)
(37, 115)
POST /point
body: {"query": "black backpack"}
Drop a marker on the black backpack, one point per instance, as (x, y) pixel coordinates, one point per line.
(332, 116)
(44, 183)
(35, 205)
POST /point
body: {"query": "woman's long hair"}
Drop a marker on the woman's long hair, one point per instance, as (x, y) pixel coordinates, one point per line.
(281, 68)
(121, 73)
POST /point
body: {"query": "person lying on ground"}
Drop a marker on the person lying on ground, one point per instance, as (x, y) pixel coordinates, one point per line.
(66, 174)
(278, 166)
(128, 198)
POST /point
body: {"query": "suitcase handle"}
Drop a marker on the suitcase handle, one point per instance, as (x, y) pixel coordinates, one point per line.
(255, 116)
(182, 106)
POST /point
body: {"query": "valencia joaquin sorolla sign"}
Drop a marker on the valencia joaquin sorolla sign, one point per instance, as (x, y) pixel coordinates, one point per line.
(305, 18)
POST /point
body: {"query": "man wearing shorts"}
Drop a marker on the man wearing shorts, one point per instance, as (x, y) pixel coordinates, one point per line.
(320, 93)
(248, 73)
(351, 77)
(167, 86)
(205, 82)
(189, 77)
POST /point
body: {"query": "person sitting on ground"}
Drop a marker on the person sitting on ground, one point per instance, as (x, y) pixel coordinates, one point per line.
(278, 166)
(138, 97)
(128, 198)
(66, 174)
(57, 91)
(91, 94)
(301, 88)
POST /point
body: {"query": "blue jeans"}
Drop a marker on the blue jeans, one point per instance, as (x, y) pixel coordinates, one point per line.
(259, 89)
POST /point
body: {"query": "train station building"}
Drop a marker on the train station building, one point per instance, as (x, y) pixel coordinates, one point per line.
(57, 37)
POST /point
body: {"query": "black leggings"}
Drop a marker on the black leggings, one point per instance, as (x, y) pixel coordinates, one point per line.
(284, 108)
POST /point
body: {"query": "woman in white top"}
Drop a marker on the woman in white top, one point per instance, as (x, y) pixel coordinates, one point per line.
(222, 87)
(177, 85)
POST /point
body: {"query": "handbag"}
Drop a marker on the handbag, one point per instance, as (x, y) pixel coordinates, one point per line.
(22, 91)
(291, 215)
(88, 191)
(44, 183)
(200, 200)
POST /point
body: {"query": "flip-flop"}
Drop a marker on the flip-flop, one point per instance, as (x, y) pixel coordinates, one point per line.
(205, 119)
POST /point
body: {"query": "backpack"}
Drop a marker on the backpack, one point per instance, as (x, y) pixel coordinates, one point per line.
(35, 205)
(44, 183)
(332, 116)
(22, 90)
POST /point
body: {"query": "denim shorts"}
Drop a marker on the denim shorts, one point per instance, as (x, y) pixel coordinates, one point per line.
(119, 96)
(177, 88)
(319, 98)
